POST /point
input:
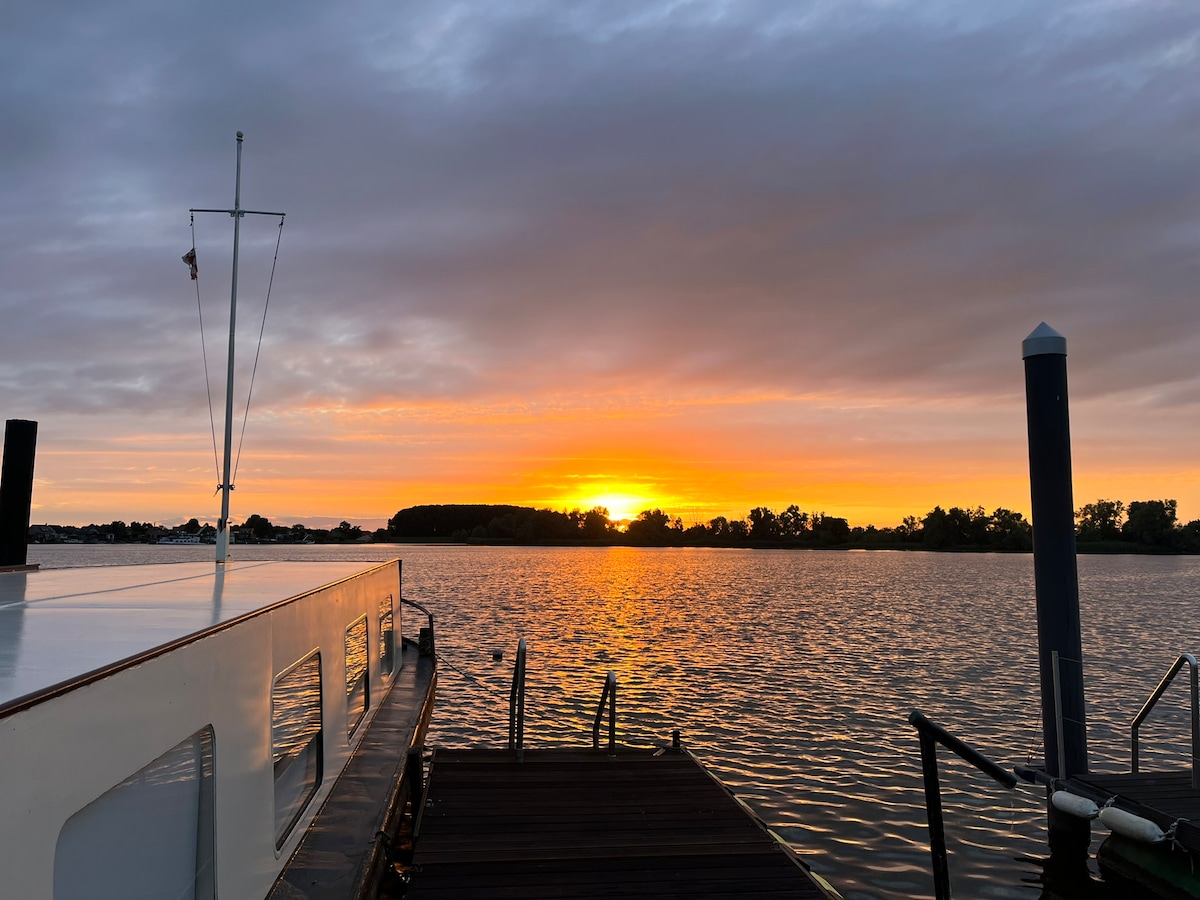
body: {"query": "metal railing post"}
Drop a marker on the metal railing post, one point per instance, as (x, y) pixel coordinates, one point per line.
(612, 716)
(931, 734)
(933, 810)
(516, 705)
(425, 640)
(1193, 677)
(608, 695)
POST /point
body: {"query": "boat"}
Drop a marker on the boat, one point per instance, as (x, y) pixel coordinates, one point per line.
(206, 729)
(186, 730)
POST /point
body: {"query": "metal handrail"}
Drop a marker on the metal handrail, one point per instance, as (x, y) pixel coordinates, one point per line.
(425, 640)
(516, 705)
(609, 695)
(931, 734)
(1190, 661)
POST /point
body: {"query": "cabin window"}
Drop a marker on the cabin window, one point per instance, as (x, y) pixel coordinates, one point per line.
(296, 741)
(387, 638)
(356, 673)
(149, 836)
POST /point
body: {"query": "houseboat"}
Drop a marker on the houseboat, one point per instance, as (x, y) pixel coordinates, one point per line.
(180, 538)
(194, 730)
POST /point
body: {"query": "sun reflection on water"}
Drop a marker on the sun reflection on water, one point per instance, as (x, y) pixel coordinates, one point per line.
(791, 674)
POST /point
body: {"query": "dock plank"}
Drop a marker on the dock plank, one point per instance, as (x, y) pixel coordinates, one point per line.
(575, 823)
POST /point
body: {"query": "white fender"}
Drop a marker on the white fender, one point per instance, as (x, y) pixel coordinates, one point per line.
(1121, 822)
(1074, 805)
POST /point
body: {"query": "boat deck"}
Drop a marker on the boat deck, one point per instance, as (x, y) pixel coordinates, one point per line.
(1162, 797)
(575, 823)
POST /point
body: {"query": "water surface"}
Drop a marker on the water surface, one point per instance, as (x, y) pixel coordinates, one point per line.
(792, 673)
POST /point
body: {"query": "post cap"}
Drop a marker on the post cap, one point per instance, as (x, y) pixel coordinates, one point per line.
(1043, 341)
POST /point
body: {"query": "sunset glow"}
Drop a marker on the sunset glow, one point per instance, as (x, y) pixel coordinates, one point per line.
(621, 506)
(689, 257)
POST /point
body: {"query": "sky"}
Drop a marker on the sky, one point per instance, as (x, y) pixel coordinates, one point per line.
(701, 256)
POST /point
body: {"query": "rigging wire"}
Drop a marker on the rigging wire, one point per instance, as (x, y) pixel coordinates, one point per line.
(212, 424)
(257, 351)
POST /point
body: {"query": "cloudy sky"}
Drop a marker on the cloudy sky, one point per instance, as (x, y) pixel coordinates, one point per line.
(697, 255)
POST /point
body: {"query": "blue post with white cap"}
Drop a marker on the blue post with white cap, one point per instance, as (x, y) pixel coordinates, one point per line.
(1055, 572)
(1056, 576)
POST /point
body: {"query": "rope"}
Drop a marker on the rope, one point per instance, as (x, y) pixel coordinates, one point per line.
(442, 659)
(500, 692)
(254, 371)
(212, 424)
(1171, 832)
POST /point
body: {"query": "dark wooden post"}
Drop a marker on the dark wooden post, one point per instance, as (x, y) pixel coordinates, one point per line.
(16, 490)
(1055, 571)
(414, 776)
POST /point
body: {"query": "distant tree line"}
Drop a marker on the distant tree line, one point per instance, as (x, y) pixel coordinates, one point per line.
(499, 524)
(1152, 524)
(793, 527)
(1105, 525)
(255, 529)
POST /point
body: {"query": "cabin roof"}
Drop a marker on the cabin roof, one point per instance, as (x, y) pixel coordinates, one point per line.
(58, 625)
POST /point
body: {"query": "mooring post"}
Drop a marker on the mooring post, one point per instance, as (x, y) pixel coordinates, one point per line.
(414, 776)
(1055, 571)
(16, 490)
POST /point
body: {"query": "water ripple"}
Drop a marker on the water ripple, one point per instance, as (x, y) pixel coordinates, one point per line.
(791, 674)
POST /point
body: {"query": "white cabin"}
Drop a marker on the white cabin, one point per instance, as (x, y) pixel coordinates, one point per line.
(170, 731)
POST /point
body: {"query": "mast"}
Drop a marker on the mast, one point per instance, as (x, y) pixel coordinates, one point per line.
(226, 485)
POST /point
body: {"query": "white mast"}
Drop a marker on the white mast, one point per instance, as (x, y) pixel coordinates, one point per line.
(226, 478)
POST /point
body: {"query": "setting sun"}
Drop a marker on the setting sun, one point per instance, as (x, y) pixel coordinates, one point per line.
(621, 507)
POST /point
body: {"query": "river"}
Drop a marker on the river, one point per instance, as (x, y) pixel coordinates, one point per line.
(792, 674)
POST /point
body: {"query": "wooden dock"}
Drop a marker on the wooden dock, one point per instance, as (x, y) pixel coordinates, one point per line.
(576, 823)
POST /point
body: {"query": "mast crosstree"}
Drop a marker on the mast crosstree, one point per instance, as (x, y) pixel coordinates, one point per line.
(226, 480)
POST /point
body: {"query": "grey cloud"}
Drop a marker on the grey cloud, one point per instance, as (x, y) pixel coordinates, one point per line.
(488, 199)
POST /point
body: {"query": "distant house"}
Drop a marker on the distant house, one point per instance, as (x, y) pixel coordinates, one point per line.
(44, 534)
(93, 535)
(154, 533)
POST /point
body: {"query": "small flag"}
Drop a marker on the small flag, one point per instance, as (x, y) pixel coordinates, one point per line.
(189, 259)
